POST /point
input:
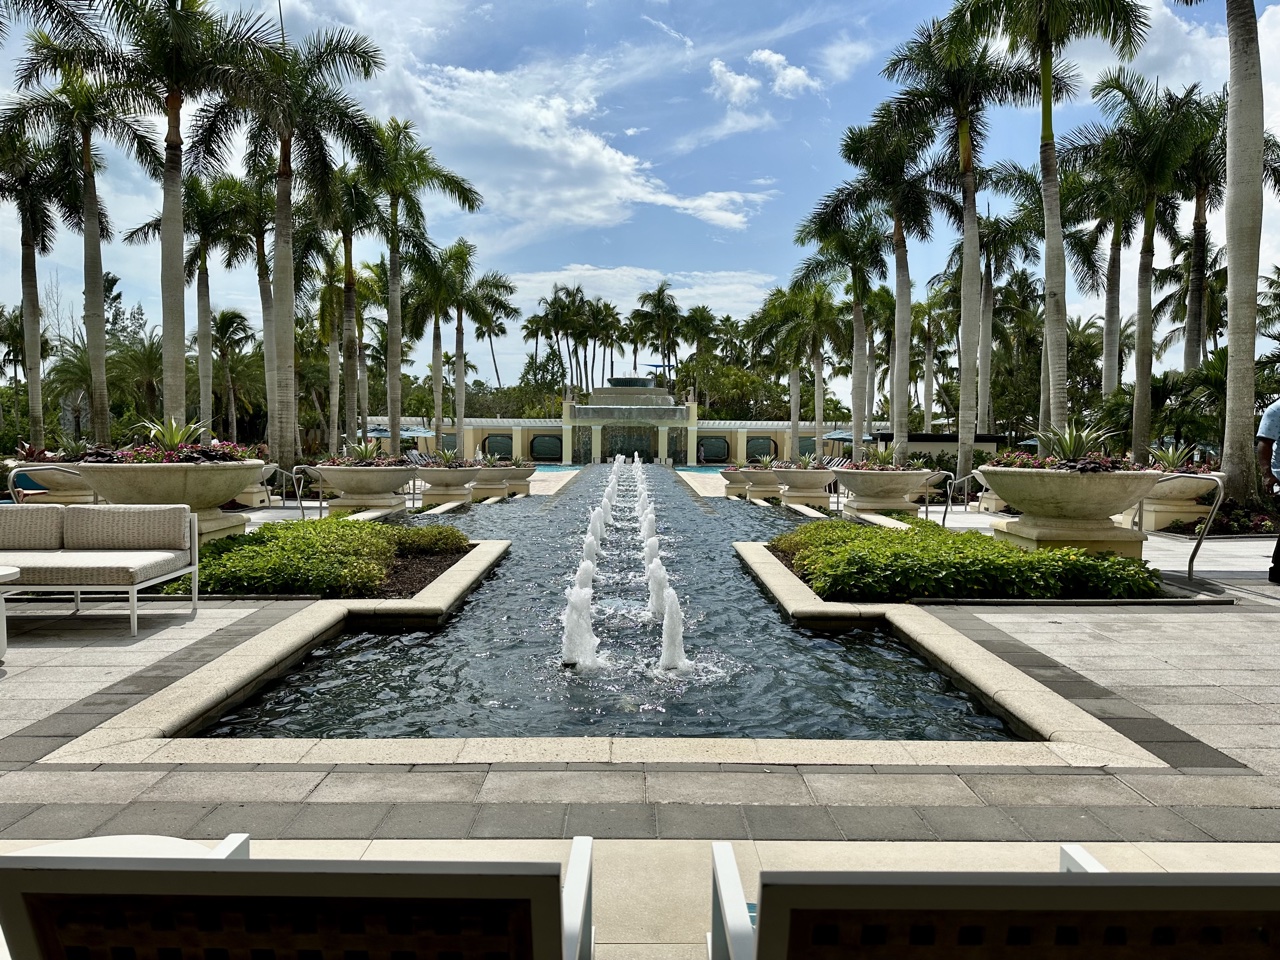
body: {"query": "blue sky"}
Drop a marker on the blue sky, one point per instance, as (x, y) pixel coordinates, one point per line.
(618, 142)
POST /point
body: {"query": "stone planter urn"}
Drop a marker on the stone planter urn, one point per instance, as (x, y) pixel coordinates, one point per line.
(518, 480)
(256, 494)
(988, 502)
(879, 491)
(63, 483)
(204, 487)
(762, 483)
(447, 484)
(492, 482)
(1063, 508)
(805, 487)
(735, 483)
(1174, 499)
(366, 488)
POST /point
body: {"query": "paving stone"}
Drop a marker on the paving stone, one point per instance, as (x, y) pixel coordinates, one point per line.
(92, 787)
(972, 823)
(61, 821)
(162, 819)
(1014, 791)
(560, 786)
(590, 766)
(733, 788)
(427, 821)
(430, 767)
(880, 823)
(612, 821)
(1194, 754)
(768, 822)
(1149, 731)
(1060, 824)
(262, 821)
(26, 748)
(144, 686)
(511, 765)
(893, 790)
(11, 813)
(911, 769)
(1112, 708)
(757, 768)
(1234, 824)
(523, 821)
(99, 702)
(677, 767)
(830, 768)
(234, 787)
(689, 821)
(1148, 824)
(64, 725)
(1207, 791)
(1179, 695)
(328, 821)
(1079, 689)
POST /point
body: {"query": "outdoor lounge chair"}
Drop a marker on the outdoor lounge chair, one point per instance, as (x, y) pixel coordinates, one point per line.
(93, 908)
(1082, 911)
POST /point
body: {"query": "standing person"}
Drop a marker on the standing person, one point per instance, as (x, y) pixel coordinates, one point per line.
(1268, 450)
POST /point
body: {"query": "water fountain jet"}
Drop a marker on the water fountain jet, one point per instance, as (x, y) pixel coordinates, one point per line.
(590, 548)
(578, 643)
(585, 575)
(651, 549)
(648, 525)
(673, 657)
(658, 583)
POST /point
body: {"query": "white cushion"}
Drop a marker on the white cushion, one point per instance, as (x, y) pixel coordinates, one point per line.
(85, 568)
(127, 527)
(31, 526)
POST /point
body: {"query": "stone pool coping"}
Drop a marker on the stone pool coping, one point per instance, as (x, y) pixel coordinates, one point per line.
(154, 730)
(1030, 707)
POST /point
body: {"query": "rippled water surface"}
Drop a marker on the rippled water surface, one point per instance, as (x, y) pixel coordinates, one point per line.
(495, 670)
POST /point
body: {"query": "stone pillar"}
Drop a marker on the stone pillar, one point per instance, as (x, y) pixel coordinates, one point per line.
(597, 436)
(691, 453)
(662, 444)
(566, 445)
(738, 451)
(517, 443)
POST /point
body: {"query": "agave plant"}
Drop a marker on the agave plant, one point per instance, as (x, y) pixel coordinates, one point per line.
(172, 434)
(519, 461)
(765, 462)
(807, 462)
(1172, 457)
(491, 459)
(371, 450)
(447, 458)
(880, 458)
(1072, 442)
(73, 450)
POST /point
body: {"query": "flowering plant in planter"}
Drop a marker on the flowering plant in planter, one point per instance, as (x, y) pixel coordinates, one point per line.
(73, 451)
(1173, 459)
(183, 453)
(1071, 448)
(366, 455)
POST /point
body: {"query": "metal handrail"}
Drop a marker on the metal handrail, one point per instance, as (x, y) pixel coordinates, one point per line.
(40, 468)
(1136, 522)
(300, 474)
(928, 483)
(951, 488)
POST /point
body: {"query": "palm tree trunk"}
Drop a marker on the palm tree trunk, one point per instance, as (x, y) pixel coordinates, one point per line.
(268, 330)
(927, 403)
(970, 313)
(335, 376)
(1045, 415)
(95, 320)
(819, 399)
(858, 379)
(31, 331)
(204, 346)
(984, 349)
(494, 356)
(793, 385)
(437, 378)
(363, 383)
(284, 443)
(1142, 346)
(350, 364)
(1111, 315)
(1055, 257)
(1245, 126)
(902, 344)
(230, 388)
(395, 329)
(172, 279)
(459, 381)
(1193, 340)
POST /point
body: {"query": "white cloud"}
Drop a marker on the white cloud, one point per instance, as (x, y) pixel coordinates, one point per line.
(633, 131)
(733, 122)
(669, 31)
(1177, 52)
(764, 181)
(788, 80)
(736, 89)
(843, 55)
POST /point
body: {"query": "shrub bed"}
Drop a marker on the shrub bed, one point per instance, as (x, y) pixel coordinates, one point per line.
(845, 561)
(329, 558)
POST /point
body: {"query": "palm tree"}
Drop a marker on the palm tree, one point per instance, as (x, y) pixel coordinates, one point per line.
(1006, 242)
(231, 334)
(83, 107)
(894, 175)
(70, 379)
(409, 170)
(34, 176)
(951, 77)
(780, 312)
(659, 314)
(858, 252)
(205, 203)
(1155, 132)
(489, 296)
(180, 50)
(293, 104)
(141, 366)
(1173, 309)
(71, 20)
(1042, 29)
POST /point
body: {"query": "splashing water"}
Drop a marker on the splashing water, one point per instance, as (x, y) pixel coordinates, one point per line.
(579, 642)
(590, 548)
(596, 528)
(651, 549)
(648, 526)
(673, 657)
(585, 575)
(658, 583)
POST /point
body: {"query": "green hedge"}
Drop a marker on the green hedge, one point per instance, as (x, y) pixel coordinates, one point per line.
(845, 561)
(332, 558)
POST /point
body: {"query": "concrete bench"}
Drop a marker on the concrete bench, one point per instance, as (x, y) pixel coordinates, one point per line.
(107, 548)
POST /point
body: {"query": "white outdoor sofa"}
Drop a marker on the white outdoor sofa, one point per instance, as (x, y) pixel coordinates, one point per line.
(98, 548)
(1082, 911)
(151, 908)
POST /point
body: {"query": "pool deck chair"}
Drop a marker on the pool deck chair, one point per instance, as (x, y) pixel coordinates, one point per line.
(1081, 912)
(96, 908)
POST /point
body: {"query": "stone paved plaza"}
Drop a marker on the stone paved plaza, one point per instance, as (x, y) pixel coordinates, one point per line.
(1196, 685)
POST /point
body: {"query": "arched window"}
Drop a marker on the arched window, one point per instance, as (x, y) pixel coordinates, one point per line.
(546, 448)
(497, 445)
(713, 449)
(761, 447)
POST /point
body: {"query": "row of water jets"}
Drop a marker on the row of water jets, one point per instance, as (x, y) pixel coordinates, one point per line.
(579, 644)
